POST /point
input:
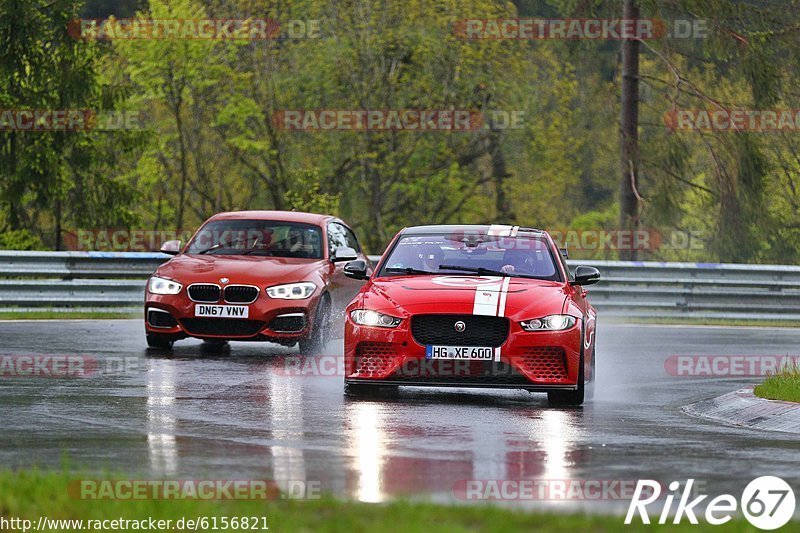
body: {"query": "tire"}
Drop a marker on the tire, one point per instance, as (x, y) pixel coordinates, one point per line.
(159, 342)
(570, 398)
(589, 387)
(361, 390)
(364, 390)
(215, 347)
(215, 342)
(315, 341)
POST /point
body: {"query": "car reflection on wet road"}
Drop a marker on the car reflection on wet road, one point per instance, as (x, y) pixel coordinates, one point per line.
(249, 413)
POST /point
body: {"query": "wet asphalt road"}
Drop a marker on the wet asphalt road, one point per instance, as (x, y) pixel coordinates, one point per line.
(198, 414)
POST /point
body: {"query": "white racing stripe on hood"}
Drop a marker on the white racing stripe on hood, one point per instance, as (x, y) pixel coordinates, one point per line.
(490, 300)
(487, 297)
(501, 309)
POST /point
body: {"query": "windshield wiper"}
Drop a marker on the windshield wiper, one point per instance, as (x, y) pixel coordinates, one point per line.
(255, 251)
(221, 245)
(478, 270)
(214, 247)
(408, 270)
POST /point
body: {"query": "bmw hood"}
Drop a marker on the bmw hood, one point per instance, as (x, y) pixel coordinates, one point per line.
(238, 269)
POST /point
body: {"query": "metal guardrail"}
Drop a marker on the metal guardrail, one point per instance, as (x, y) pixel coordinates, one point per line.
(107, 281)
(73, 265)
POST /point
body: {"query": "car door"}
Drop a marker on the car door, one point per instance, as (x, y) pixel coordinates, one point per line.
(343, 289)
(578, 296)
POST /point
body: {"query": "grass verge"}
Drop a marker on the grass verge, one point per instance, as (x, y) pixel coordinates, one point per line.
(782, 386)
(33, 494)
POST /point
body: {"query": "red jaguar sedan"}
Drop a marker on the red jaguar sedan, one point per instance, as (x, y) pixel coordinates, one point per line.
(254, 276)
(472, 306)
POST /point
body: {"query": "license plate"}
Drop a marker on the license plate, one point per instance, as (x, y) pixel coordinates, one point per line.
(459, 352)
(222, 311)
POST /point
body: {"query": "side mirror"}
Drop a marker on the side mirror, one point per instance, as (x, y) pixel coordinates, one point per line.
(586, 275)
(356, 269)
(344, 253)
(171, 247)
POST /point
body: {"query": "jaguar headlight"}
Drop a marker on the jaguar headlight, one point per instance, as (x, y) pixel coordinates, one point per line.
(549, 323)
(366, 317)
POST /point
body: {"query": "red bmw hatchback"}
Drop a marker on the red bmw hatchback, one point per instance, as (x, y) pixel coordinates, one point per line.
(472, 306)
(254, 276)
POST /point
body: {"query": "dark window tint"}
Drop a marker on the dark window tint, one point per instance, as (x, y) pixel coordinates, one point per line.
(339, 235)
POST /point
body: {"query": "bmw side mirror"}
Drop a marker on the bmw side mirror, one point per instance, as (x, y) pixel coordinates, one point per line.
(356, 269)
(344, 253)
(586, 275)
(171, 247)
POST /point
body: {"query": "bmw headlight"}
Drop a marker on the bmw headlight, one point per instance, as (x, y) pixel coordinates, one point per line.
(366, 317)
(292, 291)
(158, 285)
(549, 323)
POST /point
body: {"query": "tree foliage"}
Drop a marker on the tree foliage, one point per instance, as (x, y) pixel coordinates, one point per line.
(211, 142)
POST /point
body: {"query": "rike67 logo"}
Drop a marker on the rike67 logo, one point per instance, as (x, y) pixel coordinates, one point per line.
(767, 502)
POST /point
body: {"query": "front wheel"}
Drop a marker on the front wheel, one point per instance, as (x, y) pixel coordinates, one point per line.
(589, 388)
(160, 342)
(315, 341)
(358, 390)
(365, 390)
(570, 398)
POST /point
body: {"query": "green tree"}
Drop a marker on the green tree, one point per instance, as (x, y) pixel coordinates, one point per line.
(46, 176)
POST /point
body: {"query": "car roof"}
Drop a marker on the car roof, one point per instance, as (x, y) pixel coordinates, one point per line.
(284, 216)
(477, 228)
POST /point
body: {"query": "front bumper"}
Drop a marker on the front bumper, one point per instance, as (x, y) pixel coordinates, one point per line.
(273, 320)
(535, 361)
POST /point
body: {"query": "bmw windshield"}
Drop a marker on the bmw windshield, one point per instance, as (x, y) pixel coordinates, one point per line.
(258, 237)
(481, 255)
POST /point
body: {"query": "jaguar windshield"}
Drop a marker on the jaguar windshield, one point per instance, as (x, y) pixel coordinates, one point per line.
(483, 255)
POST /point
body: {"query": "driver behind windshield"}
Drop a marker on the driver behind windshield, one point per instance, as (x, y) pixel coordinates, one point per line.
(431, 257)
(518, 262)
(295, 245)
(425, 257)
